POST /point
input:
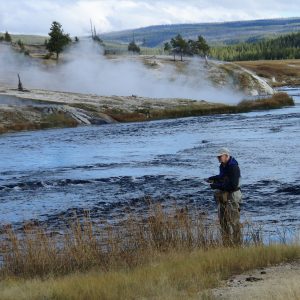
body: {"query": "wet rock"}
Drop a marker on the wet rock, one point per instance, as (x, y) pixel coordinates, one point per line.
(292, 190)
(275, 129)
(253, 279)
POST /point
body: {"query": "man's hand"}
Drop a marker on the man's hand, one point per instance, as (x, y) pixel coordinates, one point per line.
(209, 180)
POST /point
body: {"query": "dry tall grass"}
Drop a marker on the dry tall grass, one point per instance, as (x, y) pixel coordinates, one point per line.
(164, 254)
(84, 245)
(173, 275)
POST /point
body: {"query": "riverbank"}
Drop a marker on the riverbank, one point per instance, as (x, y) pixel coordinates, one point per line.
(50, 109)
(166, 255)
(171, 276)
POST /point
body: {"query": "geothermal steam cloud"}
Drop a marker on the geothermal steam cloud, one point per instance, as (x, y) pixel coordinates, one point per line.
(85, 70)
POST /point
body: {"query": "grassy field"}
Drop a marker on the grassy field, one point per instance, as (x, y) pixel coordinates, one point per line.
(278, 72)
(29, 39)
(122, 49)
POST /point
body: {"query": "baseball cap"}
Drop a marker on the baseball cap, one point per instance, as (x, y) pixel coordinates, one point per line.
(223, 151)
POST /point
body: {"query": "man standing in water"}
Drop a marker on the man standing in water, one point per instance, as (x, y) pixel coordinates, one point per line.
(228, 196)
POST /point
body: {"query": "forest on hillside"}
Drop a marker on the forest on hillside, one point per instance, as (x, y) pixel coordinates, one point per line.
(283, 47)
(224, 33)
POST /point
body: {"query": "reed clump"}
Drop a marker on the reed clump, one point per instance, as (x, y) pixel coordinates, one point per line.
(85, 244)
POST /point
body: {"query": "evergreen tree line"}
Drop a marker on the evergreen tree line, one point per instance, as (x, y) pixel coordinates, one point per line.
(283, 47)
(178, 45)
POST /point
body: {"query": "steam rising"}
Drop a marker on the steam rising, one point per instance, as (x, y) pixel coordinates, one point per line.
(84, 69)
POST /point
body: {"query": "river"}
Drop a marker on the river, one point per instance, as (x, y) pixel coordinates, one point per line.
(48, 175)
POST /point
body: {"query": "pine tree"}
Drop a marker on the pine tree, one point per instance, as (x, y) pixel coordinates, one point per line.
(198, 47)
(58, 39)
(179, 45)
(167, 47)
(133, 47)
(7, 37)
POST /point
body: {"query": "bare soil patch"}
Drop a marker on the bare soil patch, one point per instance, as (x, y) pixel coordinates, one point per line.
(277, 282)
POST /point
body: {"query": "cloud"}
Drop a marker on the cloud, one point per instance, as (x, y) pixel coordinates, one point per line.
(35, 17)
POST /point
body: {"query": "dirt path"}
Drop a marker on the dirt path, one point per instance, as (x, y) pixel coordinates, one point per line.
(278, 282)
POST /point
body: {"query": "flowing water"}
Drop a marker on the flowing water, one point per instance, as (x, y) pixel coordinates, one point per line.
(47, 175)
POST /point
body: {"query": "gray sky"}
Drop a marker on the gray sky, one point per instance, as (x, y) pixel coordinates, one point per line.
(35, 17)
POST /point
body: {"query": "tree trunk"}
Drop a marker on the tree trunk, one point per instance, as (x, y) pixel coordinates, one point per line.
(20, 86)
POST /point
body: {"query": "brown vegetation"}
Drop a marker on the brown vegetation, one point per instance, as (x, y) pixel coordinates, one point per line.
(278, 72)
(165, 254)
(278, 100)
(58, 119)
(84, 245)
(13, 120)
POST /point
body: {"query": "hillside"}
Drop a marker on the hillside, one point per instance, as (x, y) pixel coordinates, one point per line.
(28, 39)
(283, 47)
(215, 33)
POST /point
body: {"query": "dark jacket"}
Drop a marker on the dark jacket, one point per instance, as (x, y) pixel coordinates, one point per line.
(229, 177)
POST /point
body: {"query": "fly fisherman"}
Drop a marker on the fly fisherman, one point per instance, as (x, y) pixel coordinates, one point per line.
(228, 196)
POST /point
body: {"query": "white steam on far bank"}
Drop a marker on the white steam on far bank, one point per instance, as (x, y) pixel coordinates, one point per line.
(84, 69)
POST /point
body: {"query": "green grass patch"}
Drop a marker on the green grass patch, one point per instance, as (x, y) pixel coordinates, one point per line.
(29, 39)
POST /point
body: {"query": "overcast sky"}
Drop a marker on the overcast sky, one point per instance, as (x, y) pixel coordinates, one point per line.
(35, 17)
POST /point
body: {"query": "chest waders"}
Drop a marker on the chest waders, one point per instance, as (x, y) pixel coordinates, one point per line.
(229, 216)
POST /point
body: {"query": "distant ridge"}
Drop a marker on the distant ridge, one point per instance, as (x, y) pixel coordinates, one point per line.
(215, 33)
